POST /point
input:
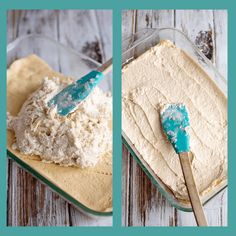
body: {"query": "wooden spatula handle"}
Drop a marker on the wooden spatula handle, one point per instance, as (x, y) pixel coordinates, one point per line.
(192, 189)
(106, 67)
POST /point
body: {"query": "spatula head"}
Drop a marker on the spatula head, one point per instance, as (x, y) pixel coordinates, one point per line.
(175, 121)
(68, 99)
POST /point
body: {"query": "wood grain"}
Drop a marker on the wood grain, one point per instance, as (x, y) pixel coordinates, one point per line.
(127, 16)
(143, 205)
(30, 203)
(193, 193)
(221, 39)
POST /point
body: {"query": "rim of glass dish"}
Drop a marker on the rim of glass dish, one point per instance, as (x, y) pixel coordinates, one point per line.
(171, 200)
(156, 30)
(55, 188)
(27, 167)
(13, 44)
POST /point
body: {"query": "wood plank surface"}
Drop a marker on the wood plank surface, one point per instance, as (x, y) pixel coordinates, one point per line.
(143, 205)
(30, 203)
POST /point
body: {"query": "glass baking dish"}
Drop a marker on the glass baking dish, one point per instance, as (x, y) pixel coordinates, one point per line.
(70, 63)
(136, 45)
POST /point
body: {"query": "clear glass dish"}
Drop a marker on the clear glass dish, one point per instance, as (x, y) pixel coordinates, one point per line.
(136, 45)
(70, 63)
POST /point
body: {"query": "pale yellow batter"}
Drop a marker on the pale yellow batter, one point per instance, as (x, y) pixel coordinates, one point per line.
(165, 74)
(90, 186)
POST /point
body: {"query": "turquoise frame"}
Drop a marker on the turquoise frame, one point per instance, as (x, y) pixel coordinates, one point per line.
(117, 7)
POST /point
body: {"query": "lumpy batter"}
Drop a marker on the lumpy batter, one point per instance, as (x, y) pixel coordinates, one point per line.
(166, 74)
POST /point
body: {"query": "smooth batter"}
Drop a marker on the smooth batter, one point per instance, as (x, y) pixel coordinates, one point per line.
(165, 74)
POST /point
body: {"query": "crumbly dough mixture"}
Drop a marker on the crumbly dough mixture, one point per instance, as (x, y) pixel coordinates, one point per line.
(165, 74)
(80, 139)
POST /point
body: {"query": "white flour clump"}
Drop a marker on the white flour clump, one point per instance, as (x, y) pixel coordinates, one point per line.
(79, 139)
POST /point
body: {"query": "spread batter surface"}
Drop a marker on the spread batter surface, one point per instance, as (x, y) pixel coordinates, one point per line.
(166, 74)
(82, 139)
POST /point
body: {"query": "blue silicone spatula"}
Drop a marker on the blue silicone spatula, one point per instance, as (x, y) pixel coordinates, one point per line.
(68, 99)
(175, 123)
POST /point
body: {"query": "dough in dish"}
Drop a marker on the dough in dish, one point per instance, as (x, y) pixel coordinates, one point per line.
(91, 186)
(79, 139)
(166, 74)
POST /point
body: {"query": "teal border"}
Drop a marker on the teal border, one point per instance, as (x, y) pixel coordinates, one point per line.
(117, 6)
(3, 163)
(117, 148)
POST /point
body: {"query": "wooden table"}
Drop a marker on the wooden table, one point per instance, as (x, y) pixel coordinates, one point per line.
(142, 204)
(30, 203)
